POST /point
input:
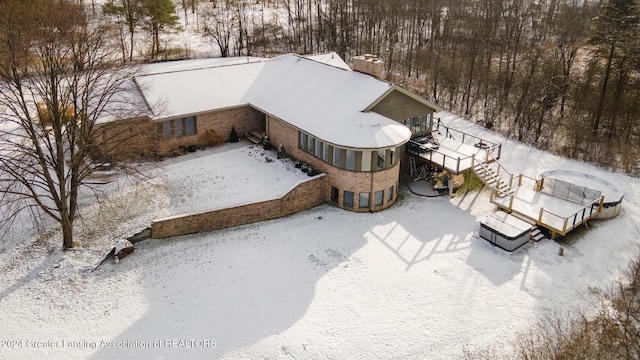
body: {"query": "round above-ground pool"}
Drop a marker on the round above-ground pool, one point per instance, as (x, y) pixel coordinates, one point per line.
(612, 194)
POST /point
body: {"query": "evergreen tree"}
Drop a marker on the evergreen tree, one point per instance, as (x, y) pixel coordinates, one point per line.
(234, 136)
(159, 15)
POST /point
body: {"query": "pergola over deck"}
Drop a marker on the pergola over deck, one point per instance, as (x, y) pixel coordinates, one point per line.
(453, 150)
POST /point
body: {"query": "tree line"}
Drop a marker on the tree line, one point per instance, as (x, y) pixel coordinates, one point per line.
(558, 74)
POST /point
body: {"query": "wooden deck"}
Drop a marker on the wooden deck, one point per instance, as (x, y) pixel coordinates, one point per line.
(556, 214)
(454, 151)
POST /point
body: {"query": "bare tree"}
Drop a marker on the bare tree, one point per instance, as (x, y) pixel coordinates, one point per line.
(219, 25)
(57, 81)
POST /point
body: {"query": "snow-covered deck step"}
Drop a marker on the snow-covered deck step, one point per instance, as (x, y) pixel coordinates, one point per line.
(536, 235)
(480, 170)
(524, 218)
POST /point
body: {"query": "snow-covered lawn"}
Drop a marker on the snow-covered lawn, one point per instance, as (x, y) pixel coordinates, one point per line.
(413, 281)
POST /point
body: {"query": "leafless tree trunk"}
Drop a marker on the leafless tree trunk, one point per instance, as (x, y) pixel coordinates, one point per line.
(58, 78)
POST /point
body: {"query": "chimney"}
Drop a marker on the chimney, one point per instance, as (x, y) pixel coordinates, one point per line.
(368, 64)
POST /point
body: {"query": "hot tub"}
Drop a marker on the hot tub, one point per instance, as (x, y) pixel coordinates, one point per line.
(505, 230)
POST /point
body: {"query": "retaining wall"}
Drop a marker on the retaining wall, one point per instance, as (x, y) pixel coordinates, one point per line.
(304, 196)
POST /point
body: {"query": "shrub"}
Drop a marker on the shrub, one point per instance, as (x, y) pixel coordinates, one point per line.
(233, 138)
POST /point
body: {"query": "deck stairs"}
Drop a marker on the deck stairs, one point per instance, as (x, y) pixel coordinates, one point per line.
(536, 234)
(493, 176)
(253, 136)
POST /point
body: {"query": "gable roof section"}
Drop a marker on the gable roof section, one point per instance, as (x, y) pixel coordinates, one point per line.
(319, 95)
(331, 58)
(399, 104)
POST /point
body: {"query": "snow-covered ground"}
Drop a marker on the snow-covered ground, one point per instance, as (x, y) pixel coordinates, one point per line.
(413, 281)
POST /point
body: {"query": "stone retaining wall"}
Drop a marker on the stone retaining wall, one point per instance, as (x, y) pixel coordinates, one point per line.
(304, 196)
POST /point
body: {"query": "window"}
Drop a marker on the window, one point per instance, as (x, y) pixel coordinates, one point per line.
(318, 151)
(348, 199)
(381, 159)
(334, 194)
(415, 124)
(179, 127)
(390, 193)
(366, 161)
(336, 157)
(393, 155)
(325, 152)
(303, 141)
(364, 200)
(350, 163)
(190, 126)
(379, 197)
(166, 129)
(312, 144)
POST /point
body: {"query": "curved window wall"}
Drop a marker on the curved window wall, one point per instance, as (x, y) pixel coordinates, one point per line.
(348, 159)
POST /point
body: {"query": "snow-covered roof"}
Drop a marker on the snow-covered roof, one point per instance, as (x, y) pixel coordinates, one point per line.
(326, 102)
(318, 94)
(183, 65)
(331, 58)
(192, 91)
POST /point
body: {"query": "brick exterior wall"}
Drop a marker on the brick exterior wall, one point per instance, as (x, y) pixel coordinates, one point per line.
(142, 138)
(126, 139)
(281, 133)
(304, 196)
(215, 127)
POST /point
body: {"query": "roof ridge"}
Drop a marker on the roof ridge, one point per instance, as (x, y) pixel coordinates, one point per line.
(256, 60)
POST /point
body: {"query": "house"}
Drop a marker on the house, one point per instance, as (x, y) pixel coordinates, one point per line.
(346, 123)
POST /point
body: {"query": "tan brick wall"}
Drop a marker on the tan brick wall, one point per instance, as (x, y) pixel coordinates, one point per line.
(368, 65)
(215, 127)
(281, 133)
(304, 196)
(126, 139)
(142, 138)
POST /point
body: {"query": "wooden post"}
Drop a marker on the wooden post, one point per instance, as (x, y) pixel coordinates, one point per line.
(450, 186)
(540, 215)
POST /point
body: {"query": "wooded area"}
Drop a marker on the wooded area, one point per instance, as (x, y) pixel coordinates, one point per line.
(559, 74)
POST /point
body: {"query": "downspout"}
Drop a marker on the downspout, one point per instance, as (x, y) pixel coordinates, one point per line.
(371, 206)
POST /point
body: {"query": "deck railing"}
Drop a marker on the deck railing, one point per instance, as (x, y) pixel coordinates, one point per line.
(493, 150)
(570, 222)
(466, 138)
(549, 219)
(444, 163)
